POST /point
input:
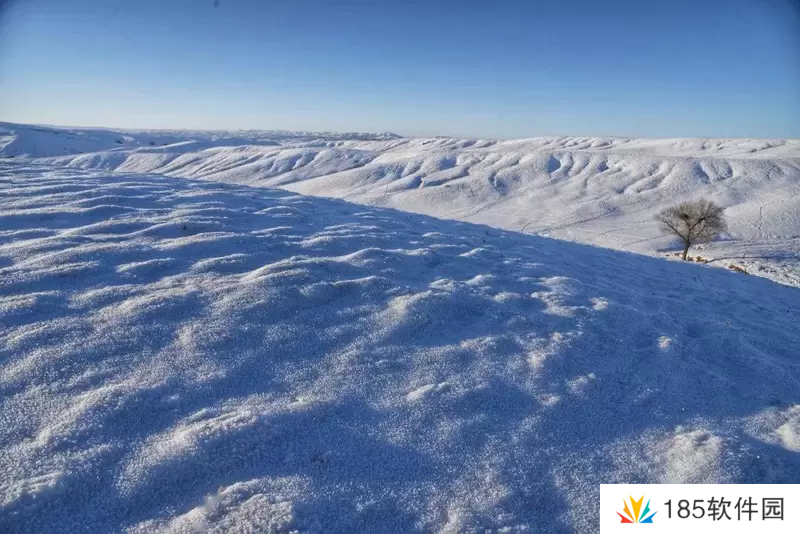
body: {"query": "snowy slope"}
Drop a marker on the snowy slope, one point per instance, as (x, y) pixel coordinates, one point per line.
(44, 141)
(180, 356)
(594, 190)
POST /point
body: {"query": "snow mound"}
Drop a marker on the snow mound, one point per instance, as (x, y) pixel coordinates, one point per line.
(180, 356)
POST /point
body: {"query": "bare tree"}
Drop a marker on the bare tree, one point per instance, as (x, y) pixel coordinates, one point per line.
(693, 222)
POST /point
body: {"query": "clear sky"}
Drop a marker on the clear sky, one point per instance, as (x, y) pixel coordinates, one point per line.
(503, 68)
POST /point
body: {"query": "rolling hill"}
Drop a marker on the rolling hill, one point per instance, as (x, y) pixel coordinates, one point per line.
(594, 190)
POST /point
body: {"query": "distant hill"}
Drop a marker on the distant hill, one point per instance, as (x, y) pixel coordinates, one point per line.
(598, 190)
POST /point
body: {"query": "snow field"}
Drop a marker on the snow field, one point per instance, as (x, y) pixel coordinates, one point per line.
(597, 190)
(179, 355)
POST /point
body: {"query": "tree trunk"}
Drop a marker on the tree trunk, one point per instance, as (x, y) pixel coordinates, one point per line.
(685, 249)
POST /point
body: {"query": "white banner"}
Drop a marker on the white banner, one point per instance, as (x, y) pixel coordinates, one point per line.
(706, 508)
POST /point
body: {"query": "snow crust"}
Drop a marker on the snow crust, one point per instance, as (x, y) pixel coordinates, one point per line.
(186, 355)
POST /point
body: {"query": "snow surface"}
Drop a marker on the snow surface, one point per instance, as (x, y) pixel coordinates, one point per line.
(181, 356)
(597, 190)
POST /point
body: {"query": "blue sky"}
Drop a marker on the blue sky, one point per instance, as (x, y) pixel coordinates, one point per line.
(509, 68)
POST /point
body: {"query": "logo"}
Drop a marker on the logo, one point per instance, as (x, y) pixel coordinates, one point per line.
(636, 517)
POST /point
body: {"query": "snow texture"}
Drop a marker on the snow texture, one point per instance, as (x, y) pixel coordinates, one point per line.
(596, 190)
(187, 356)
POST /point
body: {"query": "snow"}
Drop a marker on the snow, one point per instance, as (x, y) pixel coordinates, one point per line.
(596, 190)
(45, 141)
(183, 355)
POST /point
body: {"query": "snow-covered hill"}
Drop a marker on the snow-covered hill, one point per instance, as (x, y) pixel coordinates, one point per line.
(43, 141)
(602, 191)
(182, 356)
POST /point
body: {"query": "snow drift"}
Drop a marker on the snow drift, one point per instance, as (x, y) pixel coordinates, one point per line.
(598, 190)
(184, 355)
